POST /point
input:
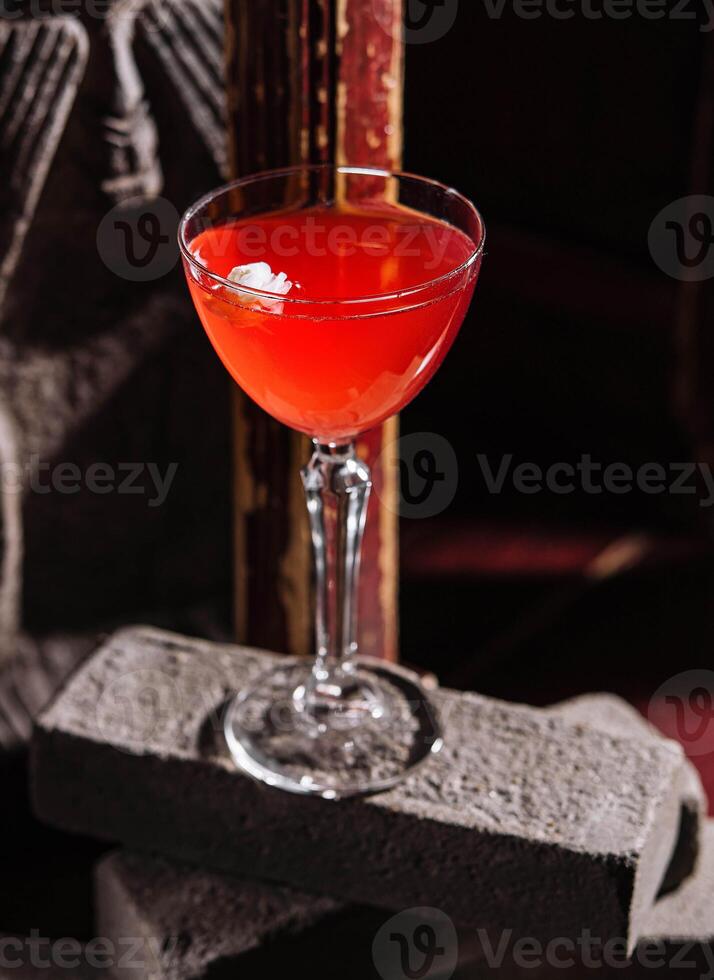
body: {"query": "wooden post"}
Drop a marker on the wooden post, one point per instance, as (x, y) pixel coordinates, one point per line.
(309, 81)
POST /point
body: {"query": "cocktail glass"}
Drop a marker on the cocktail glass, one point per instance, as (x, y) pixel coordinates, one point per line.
(379, 269)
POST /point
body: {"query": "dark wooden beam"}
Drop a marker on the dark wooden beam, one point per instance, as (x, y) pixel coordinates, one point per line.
(309, 81)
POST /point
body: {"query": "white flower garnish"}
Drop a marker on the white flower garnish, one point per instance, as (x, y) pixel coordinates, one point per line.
(259, 275)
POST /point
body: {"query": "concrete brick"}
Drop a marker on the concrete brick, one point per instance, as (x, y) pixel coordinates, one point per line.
(519, 796)
(190, 921)
(612, 714)
(678, 939)
(222, 919)
(186, 924)
(687, 914)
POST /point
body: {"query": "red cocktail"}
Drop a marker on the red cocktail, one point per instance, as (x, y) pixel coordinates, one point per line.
(332, 294)
(316, 366)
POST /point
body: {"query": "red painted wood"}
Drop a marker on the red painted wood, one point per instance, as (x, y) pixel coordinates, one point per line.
(309, 81)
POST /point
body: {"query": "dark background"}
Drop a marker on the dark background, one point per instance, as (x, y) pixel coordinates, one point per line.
(570, 136)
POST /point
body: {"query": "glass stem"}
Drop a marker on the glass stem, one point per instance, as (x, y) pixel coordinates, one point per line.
(337, 487)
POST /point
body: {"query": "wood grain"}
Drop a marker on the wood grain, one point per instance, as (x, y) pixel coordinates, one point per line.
(309, 81)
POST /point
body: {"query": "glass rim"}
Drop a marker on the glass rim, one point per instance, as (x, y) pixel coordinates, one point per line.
(255, 178)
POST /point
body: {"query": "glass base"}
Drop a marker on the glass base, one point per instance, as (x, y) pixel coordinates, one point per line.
(356, 731)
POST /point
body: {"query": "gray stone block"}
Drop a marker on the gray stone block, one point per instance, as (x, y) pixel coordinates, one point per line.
(518, 797)
(192, 920)
(188, 922)
(678, 940)
(687, 914)
(612, 714)
(184, 924)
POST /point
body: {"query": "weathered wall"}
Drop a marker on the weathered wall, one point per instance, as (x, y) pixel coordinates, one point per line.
(98, 113)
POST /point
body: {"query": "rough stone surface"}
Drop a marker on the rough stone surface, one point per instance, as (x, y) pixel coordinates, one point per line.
(198, 921)
(222, 919)
(30, 679)
(678, 939)
(192, 924)
(186, 924)
(613, 714)
(129, 752)
(37, 666)
(687, 914)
